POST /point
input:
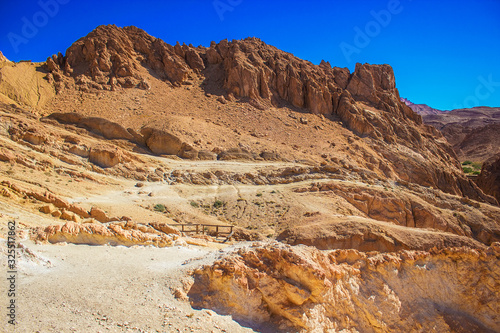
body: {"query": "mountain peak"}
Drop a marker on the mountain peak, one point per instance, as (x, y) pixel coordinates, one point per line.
(111, 57)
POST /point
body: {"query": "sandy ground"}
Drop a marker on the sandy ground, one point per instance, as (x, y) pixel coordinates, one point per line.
(80, 288)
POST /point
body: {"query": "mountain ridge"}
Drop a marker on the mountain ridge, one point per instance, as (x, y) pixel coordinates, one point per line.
(472, 132)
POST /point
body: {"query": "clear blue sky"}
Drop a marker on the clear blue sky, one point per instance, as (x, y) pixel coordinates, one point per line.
(444, 53)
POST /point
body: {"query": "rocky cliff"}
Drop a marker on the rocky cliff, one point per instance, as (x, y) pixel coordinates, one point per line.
(489, 179)
(276, 288)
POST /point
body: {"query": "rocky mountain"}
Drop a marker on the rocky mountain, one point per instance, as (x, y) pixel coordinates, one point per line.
(366, 102)
(421, 109)
(127, 140)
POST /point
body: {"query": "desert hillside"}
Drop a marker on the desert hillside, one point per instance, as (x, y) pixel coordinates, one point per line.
(335, 192)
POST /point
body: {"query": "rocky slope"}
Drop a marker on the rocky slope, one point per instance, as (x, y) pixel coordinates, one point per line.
(489, 179)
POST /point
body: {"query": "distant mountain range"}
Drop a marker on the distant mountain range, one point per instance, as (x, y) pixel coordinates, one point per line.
(421, 109)
(474, 133)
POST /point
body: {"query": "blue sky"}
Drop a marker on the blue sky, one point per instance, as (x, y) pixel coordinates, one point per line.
(444, 53)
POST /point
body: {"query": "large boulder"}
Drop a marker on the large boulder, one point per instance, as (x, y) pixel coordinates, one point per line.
(161, 142)
(105, 156)
(101, 126)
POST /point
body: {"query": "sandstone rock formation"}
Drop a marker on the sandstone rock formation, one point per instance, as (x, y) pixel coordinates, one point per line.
(104, 127)
(118, 233)
(280, 288)
(308, 154)
(422, 210)
(105, 156)
(110, 65)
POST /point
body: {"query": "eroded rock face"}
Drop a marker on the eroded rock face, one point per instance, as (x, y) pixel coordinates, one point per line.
(109, 57)
(282, 288)
(423, 209)
(162, 142)
(117, 233)
(489, 179)
(105, 156)
(104, 127)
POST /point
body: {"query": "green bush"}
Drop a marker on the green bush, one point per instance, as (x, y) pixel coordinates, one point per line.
(259, 194)
(476, 172)
(467, 169)
(218, 204)
(467, 162)
(159, 208)
(477, 165)
(194, 204)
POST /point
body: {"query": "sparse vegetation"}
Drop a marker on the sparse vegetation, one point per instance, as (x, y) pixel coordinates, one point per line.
(194, 204)
(160, 208)
(259, 194)
(477, 165)
(471, 168)
(218, 204)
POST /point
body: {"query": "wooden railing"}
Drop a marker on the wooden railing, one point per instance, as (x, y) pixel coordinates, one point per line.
(220, 230)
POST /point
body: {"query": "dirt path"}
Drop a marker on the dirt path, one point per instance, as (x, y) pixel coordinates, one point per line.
(80, 288)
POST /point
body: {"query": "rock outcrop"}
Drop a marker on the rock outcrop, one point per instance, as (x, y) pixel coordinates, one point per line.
(101, 126)
(116, 233)
(3, 58)
(367, 235)
(109, 57)
(421, 209)
(281, 289)
(105, 156)
(24, 83)
(489, 179)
